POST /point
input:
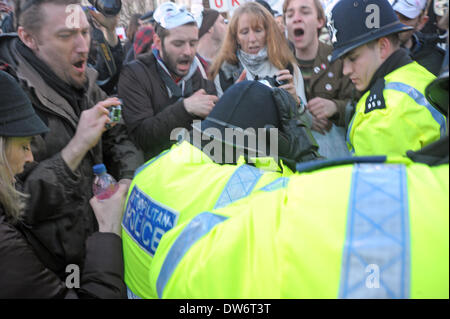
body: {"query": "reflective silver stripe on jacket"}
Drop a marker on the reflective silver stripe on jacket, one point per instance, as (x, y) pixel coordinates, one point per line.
(240, 185)
(199, 226)
(420, 99)
(376, 258)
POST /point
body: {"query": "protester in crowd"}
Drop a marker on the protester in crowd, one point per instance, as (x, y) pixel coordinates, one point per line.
(50, 59)
(132, 28)
(106, 53)
(143, 42)
(440, 8)
(22, 273)
(421, 47)
(436, 10)
(328, 91)
(392, 115)
(143, 38)
(253, 49)
(231, 134)
(212, 30)
(166, 89)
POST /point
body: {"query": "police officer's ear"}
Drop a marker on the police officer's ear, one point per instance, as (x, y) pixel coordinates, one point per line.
(27, 38)
(384, 47)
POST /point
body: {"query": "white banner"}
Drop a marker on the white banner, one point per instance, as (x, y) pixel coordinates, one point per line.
(225, 5)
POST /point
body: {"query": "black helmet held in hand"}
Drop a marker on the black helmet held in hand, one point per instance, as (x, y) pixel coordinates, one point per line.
(251, 106)
(245, 105)
(107, 7)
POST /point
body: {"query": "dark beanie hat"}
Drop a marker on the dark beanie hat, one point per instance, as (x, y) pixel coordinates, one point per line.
(209, 18)
(147, 15)
(17, 116)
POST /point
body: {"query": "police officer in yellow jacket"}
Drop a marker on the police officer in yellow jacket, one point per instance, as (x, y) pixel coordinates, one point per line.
(173, 187)
(377, 228)
(392, 115)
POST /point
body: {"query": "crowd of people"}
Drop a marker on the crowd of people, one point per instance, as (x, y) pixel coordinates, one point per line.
(350, 99)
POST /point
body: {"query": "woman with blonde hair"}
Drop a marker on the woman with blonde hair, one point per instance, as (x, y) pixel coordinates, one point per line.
(255, 48)
(22, 273)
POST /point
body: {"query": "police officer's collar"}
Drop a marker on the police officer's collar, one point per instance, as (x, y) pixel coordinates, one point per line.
(396, 60)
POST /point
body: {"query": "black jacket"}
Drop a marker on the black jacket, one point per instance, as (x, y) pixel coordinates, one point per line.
(108, 73)
(426, 52)
(149, 113)
(23, 275)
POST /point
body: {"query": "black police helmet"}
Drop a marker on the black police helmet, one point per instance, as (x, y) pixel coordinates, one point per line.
(353, 23)
(245, 105)
(437, 92)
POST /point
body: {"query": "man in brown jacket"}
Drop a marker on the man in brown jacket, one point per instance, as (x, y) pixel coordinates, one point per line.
(328, 91)
(167, 88)
(49, 57)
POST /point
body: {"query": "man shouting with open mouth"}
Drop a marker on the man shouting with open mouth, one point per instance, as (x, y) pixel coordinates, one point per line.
(167, 88)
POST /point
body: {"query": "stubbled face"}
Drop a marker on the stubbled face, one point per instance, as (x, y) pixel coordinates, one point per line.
(302, 23)
(179, 49)
(251, 35)
(360, 65)
(18, 153)
(63, 42)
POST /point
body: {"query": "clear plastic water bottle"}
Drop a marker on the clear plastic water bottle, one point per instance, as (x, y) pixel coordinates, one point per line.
(104, 185)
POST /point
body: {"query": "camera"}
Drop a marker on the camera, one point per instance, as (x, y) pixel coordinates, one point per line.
(271, 81)
(115, 115)
(107, 7)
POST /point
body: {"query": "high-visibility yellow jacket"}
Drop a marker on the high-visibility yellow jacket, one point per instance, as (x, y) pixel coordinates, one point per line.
(171, 189)
(351, 231)
(396, 117)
